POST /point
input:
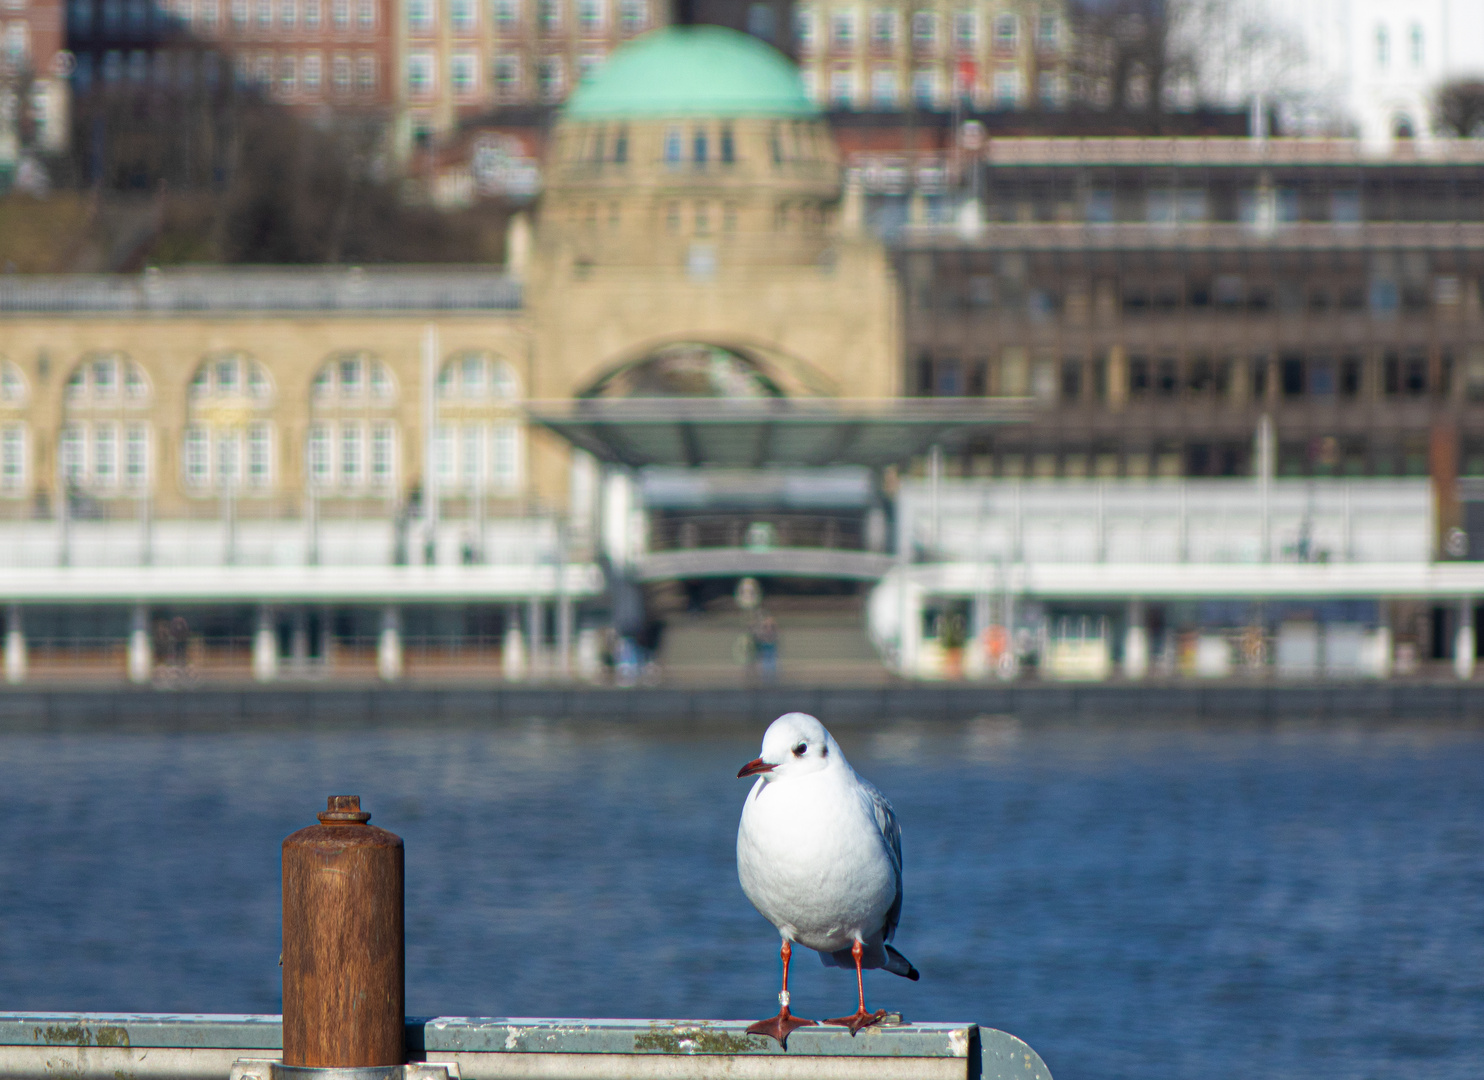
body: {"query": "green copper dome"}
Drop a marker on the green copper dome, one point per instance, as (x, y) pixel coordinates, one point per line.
(691, 71)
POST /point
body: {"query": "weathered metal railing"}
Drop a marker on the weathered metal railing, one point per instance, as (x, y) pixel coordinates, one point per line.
(97, 1046)
(343, 1012)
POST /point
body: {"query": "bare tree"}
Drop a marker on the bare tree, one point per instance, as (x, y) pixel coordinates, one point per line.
(1122, 58)
(1459, 108)
(1159, 56)
(1251, 53)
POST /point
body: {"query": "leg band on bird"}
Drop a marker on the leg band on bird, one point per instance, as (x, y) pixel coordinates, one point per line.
(780, 1026)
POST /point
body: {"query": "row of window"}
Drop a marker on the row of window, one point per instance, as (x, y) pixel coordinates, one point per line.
(1288, 376)
(286, 74)
(1003, 88)
(15, 44)
(350, 379)
(349, 456)
(104, 454)
(1414, 41)
(111, 18)
(588, 16)
(1381, 296)
(505, 72)
(883, 27)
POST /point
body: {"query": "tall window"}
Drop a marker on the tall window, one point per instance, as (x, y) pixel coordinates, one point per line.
(463, 15)
(104, 422)
(804, 29)
(507, 14)
(420, 73)
(229, 437)
(352, 439)
(1383, 47)
(12, 384)
(507, 74)
(479, 440)
(1416, 44)
(550, 78)
(883, 29)
(1006, 33)
(14, 457)
(842, 30)
(965, 31)
(884, 88)
(633, 15)
(591, 16)
(924, 30)
(463, 73)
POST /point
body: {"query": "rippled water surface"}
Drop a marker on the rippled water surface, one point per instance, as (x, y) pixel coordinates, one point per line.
(1164, 902)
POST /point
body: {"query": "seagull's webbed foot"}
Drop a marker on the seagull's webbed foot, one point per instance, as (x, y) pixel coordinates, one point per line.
(861, 1019)
(780, 1026)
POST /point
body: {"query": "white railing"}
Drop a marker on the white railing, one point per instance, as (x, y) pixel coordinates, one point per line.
(367, 542)
(1169, 521)
(267, 289)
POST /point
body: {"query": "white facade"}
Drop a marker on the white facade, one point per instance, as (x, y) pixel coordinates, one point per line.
(1369, 66)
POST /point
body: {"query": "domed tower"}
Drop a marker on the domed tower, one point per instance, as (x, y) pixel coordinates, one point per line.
(692, 216)
(693, 147)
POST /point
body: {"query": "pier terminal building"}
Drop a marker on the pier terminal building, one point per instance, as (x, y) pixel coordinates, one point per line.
(1083, 408)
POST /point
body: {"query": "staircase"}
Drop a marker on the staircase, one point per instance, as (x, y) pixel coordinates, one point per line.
(821, 641)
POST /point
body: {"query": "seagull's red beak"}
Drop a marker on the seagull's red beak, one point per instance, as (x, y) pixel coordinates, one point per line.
(755, 766)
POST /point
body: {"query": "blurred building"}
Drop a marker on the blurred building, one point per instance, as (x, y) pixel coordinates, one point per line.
(33, 80)
(1373, 64)
(310, 466)
(1000, 54)
(1149, 406)
(305, 53)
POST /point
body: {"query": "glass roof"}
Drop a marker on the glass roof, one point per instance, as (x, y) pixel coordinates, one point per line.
(755, 433)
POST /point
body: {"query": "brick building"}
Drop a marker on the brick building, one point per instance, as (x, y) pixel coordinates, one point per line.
(32, 78)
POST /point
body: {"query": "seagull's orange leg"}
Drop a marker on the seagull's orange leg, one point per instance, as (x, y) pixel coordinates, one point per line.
(861, 1018)
(785, 1022)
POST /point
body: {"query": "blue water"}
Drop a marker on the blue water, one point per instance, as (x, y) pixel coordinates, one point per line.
(1157, 903)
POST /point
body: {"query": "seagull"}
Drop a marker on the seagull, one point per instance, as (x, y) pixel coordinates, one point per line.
(819, 854)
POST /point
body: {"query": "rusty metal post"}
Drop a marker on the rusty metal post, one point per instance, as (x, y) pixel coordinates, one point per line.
(343, 959)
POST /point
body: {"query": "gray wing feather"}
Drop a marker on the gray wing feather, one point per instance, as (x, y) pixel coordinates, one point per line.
(891, 832)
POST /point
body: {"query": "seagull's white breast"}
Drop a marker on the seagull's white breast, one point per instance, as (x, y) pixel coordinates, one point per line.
(812, 859)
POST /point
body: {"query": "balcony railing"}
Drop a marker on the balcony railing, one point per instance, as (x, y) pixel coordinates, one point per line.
(760, 532)
(211, 290)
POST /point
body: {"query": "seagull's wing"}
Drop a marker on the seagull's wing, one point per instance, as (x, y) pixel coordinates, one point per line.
(891, 832)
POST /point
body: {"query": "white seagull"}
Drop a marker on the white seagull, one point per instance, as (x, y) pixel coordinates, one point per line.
(819, 854)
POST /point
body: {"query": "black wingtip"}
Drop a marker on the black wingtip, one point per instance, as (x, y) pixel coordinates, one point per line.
(914, 974)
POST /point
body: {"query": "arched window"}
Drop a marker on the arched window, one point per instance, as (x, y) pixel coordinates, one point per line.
(106, 445)
(353, 437)
(229, 438)
(351, 379)
(479, 442)
(477, 376)
(15, 442)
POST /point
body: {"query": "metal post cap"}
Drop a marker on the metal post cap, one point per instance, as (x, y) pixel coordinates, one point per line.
(344, 810)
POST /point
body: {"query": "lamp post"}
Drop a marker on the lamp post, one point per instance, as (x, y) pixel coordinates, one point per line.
(227, 420)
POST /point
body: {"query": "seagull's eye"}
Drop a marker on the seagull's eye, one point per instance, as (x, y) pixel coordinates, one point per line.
(801, 749)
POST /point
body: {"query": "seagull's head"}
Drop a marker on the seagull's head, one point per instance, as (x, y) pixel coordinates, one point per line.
(793, 745)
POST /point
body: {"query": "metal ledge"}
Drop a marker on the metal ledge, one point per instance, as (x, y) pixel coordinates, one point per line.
(777, 562)
(141, 1046)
